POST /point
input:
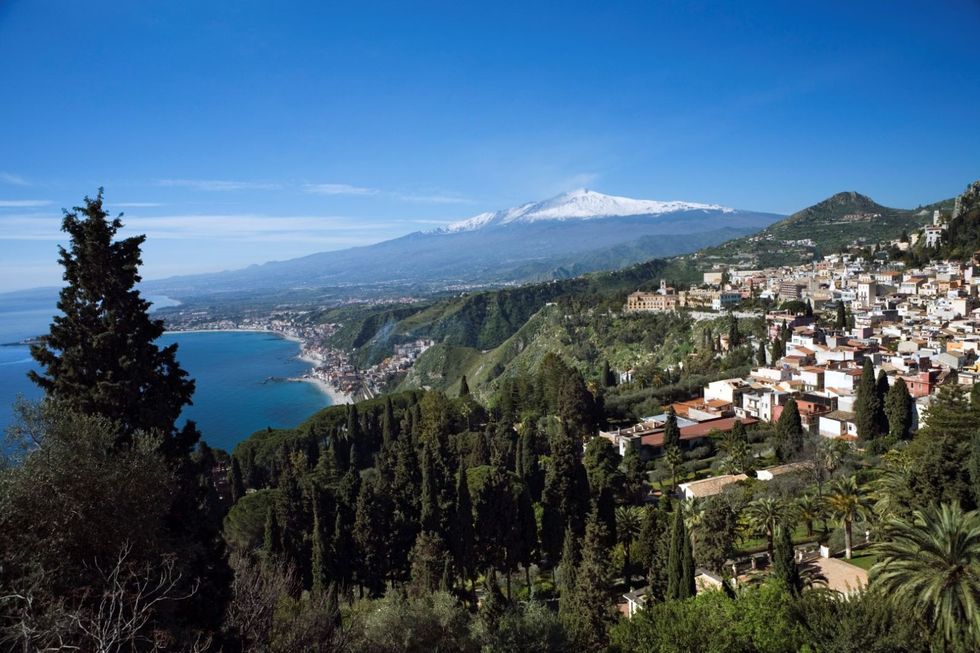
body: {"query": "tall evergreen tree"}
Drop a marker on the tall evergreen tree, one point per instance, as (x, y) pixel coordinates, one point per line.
(272, 541)
(319, 551)
(388, 425)
(867, 408)
(899, 409)
(590, 616)
(734, 336)
(784, 565)
(760, 356)
(100, 356)
(680, 573)
(235, 482)
(840, 322)
(608, 376)
(463, 535)
(567, 570)
(672, 432)
(789, 432)
(372, 530)
(464, 387)
(881, 391)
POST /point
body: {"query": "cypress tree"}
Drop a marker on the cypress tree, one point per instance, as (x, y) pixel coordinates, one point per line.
(881, 391)
(784, 565)
(808, 312)
(676, 584)
(840, 322)
(899, 409)
(589, 615)
(528, 533)
(100, 355)
(431, 514)
(866, 407)
(760, 356)
(235, 481)
(608, 377)
(688, 588)
(789, 432)
(388, 425)
(464, 387)
(672, 433)
(463, 535)
(567, 570)
(342, 549)
(272, 541)
(734, 337)
(319, 554)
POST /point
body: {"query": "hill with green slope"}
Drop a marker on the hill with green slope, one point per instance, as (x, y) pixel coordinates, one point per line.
(839, 221)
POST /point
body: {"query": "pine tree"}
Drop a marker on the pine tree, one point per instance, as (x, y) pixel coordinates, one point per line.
(464, 387)
(235, 480)
(866, 406)
(784, 565)
(789, 432)
(672, 433)
(100, 355)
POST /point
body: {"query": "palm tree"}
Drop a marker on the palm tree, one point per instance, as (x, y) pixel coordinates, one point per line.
(763, 516)
(674, 459)
(809, 509)
(848, 501)
(629, 523)
(932, 564)
(892, 489)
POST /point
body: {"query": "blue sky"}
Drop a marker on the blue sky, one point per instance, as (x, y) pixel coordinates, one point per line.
(239, 132)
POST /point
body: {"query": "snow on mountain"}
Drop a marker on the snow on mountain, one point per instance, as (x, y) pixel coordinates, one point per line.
(579, 204)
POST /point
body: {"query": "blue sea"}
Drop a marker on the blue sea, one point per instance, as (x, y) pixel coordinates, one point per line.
(241, 386)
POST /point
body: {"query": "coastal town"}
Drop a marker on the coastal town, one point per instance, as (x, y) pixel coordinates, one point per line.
(332, 368)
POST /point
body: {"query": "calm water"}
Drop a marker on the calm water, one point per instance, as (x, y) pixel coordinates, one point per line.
(237, 391)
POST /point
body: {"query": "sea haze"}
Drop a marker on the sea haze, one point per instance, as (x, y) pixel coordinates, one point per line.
(241, 376)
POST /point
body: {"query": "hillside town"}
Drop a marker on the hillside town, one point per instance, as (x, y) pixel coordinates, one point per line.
(917, 326)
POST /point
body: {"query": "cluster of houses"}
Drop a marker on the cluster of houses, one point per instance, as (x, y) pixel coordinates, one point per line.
(920, 326)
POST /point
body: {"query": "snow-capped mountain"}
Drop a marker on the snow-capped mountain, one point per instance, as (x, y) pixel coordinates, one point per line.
(573, 233)
(581, 204)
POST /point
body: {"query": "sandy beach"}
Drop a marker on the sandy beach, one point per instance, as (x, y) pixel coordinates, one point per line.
(336, 396)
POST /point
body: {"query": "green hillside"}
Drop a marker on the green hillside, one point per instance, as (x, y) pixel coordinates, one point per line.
(824, 228)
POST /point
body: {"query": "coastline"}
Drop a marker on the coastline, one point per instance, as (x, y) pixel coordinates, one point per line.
(336, 396)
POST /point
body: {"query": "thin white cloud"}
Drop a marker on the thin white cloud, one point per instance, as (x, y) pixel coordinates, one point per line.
(22, 204)
(217, 228)
(12, 179)
(339, 189)
(218, 185)
(436, 198)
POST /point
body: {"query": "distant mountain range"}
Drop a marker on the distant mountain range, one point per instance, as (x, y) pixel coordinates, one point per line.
(573, 233)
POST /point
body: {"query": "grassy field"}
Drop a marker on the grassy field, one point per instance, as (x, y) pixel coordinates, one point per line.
(863, 559)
